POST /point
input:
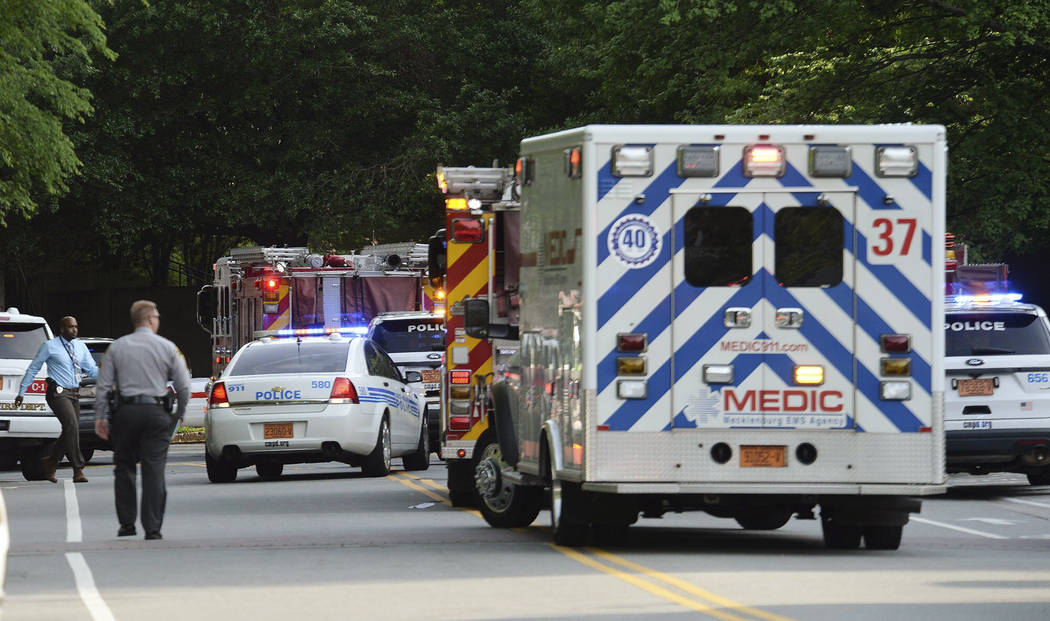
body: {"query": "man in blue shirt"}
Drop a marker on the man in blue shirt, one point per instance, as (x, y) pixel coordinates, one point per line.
(68, 360)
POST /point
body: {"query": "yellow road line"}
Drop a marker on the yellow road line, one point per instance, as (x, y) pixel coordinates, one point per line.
(419, 488)
(686, 586)
(433, 484)
(648, 586)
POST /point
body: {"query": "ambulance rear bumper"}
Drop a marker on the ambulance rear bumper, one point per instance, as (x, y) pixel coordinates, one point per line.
(812, 489)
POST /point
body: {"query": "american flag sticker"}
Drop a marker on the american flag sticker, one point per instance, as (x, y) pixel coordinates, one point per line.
(1026, 406)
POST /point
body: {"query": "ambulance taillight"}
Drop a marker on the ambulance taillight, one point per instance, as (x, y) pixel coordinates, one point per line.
(343, 391)
(764, 160)
(218, 398)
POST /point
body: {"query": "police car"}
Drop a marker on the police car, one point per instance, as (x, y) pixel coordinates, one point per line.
(997, 397)
(313, 398)
(415, 341)
(26, 433)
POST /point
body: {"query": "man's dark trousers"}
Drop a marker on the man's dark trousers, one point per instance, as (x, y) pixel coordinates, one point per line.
(66, 406)
(140, 432)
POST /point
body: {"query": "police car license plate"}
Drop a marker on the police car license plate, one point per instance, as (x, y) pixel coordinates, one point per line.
(277, 430)
(976, 387)
(431, 376)
(762, 456)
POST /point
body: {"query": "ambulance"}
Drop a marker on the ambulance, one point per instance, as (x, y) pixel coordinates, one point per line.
(741, 320)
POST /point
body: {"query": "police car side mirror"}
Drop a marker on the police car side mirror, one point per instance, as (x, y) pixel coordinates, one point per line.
(413, 377)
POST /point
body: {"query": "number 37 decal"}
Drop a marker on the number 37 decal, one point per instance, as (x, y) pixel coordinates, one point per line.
(893, 236)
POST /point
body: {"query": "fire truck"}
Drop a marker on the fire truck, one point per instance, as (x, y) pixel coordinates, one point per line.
(741, 320)
(267, 290)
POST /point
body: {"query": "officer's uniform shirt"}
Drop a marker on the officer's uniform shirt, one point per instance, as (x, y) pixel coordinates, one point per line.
(141, 364)
(60, 363)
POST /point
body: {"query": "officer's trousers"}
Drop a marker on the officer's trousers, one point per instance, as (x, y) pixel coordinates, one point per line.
(66, 406)
(140, 433)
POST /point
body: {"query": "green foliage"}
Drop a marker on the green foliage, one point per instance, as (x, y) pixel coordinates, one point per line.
(319, 122)
(40, 43)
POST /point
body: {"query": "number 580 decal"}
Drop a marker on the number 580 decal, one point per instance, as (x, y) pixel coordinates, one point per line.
(893, 236)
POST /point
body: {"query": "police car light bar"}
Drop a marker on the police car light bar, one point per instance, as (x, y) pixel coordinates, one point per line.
(355, 330)
(985, 298)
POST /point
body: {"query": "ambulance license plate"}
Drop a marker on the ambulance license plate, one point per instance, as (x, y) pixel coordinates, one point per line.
(431, 376)
(762, 456)
(976, 387)
(277, 430)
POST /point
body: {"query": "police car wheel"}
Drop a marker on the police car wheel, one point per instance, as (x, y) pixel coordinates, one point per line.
(219, 470)
(377, 464)
(269, 469)
(420, 460)
(883, 537)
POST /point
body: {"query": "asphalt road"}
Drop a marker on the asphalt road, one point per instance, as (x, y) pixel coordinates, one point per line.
(324, 542)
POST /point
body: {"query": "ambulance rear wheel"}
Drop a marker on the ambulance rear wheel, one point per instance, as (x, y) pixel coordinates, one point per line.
(502, 503)
(767, 519)
(219, 470)
(841, 536)
(568, 525)
(882, 537)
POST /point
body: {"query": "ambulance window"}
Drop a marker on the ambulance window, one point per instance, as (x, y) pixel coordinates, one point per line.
(717, 246)
(808, 246)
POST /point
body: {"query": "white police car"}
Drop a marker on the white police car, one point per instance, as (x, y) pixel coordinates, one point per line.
(415, 341)
(27, 431)
(997, 396)
(312, 399)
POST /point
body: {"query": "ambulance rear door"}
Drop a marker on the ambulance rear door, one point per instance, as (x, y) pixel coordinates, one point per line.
(763, 311)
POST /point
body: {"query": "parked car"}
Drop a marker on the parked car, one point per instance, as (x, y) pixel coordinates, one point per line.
(997, 397)
(313, 399)
(26, 433)
(415, 341)
(89, 441)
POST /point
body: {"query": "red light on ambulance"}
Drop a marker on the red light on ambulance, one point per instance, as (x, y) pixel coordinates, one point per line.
(764, 160)
(468, 230)
(271, 283)
(459, 423)
(459, 377)
(630, 342)
(895, 343)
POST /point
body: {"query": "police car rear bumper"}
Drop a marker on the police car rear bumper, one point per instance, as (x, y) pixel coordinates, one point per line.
(992, 446)
(353, 430)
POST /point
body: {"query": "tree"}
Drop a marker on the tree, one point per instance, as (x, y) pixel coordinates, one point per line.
(41, 44)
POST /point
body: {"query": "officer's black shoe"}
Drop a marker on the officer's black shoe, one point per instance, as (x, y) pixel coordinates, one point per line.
(153, 536)
(126, 531)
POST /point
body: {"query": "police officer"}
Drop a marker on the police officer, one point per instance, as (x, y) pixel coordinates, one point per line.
(138, 366)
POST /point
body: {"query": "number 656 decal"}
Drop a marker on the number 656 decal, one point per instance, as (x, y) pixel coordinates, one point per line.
(893, 236)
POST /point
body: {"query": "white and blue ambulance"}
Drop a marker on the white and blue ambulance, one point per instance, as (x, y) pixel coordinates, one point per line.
(744, 320)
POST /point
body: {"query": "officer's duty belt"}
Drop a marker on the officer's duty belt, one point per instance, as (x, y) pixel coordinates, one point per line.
(142, 400)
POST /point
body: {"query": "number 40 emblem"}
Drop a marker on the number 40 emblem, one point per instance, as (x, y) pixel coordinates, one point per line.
(634, 241)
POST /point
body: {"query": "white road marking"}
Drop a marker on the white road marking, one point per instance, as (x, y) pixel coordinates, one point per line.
(1027, 502)
(424, 505)
(81, 572)
(968, 531)
(995, 521)
(74, 534)
(86, 587)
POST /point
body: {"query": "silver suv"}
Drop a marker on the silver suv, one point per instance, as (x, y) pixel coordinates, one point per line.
(997, 394)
